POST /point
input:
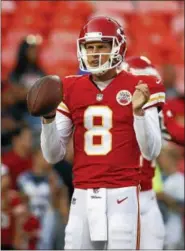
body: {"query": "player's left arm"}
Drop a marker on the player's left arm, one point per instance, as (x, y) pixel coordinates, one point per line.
(145, 102)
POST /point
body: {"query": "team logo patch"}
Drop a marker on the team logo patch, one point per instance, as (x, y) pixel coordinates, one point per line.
(124, 97)
(99, 97)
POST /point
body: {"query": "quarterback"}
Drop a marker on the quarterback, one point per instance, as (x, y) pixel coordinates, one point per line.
(152, 225)
(114, 120)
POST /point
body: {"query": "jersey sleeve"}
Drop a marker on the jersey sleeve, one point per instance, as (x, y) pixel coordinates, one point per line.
(157, 92)
(63, 107)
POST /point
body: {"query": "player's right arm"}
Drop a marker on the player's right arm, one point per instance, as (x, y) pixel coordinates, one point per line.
(55, 136)
(56, 130)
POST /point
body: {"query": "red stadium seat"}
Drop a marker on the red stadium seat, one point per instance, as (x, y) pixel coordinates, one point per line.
(57, 36)
(6, 21)
(149, 23)
(30, 21)
(56, 51)
(5, 71)
(83, 8)
(115, 7)
(177, 24)
(62, 68)
(66, 23)
(8, 56)
(8, 7)
(43, 7)
(169, 7)
(53, 53)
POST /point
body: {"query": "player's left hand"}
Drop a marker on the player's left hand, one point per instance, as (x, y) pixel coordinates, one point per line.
(140, 97)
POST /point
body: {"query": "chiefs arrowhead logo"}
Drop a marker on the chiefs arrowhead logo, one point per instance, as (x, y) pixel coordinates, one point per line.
(124, 97)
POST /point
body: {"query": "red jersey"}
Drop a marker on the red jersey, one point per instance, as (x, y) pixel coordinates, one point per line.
(106, 152)
(147, 174)
(11, 202)
(16, 165)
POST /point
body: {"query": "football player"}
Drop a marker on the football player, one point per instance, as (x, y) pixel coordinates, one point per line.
(115, 120)
(152, 225)
(172, 113)
(151, 237)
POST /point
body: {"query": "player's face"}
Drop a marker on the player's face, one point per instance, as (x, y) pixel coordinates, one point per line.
(32, 54)
(26, 139)
(96, 48)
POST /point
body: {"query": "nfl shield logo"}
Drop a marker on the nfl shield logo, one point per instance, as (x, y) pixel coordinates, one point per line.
(99, 97)
(124, 97)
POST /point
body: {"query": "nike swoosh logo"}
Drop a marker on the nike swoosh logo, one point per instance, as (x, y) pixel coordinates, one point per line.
(120, 201)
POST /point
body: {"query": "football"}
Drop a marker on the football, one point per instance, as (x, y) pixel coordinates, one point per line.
(45, 95)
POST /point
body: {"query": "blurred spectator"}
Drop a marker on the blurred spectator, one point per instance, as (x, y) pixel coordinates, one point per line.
(47, 198)
(27, 229)
(56, 216)
(27, 69)
(168, 74)
(25, 73)
(172, 195)
(12, 209)
(19, 159)
(34, 184)
(8, 121)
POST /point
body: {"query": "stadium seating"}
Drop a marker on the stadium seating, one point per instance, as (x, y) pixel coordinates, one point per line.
(154, 30)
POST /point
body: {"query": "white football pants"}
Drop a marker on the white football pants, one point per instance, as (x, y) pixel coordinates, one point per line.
(104, 219)
(152, 225)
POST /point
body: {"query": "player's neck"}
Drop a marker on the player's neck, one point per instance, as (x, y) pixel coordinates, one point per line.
(107, 76)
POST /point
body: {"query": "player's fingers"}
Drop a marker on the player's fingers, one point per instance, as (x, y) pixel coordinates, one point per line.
(144, 90)
(142, 85)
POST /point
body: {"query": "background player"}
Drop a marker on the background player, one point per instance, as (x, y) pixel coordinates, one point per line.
(151, 217)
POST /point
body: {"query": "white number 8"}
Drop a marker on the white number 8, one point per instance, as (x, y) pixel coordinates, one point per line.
(98, 130)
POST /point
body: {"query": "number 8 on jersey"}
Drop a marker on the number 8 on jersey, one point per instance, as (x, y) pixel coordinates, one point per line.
(103, 130)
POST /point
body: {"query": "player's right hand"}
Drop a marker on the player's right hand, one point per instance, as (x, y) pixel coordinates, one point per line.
(140, 97)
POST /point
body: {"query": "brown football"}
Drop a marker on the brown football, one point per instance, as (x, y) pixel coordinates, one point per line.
(45, 95)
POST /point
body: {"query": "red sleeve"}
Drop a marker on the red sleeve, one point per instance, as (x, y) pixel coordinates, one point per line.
(176, 131)
(157, 91)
